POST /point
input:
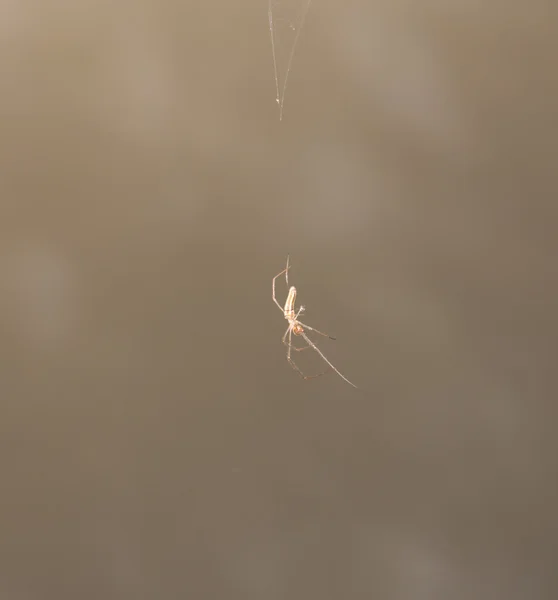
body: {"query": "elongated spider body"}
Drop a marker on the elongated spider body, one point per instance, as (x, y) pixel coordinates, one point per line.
(298, 328)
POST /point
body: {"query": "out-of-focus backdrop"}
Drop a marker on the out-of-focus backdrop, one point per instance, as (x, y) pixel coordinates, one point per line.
(154, 442)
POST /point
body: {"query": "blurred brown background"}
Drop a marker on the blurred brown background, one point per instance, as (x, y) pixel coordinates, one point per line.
(154, 441)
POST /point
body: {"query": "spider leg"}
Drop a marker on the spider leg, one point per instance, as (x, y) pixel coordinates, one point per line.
(289, 346)
(294, 366)
(296, 348)
(273, 289)
(310, 343)
(286, 271)
(284, 340)
(316, 331)
(300, 310)
(291, 361)
(289, 343)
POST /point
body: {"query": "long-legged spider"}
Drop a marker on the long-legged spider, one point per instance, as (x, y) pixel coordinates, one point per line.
(296, 327)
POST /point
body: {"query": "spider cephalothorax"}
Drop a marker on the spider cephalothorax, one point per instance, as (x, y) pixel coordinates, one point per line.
(298, 329)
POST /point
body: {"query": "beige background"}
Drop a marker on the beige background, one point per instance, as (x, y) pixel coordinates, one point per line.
(154, 442)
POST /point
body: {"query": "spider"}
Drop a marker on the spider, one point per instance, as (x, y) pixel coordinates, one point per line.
(296, 327)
